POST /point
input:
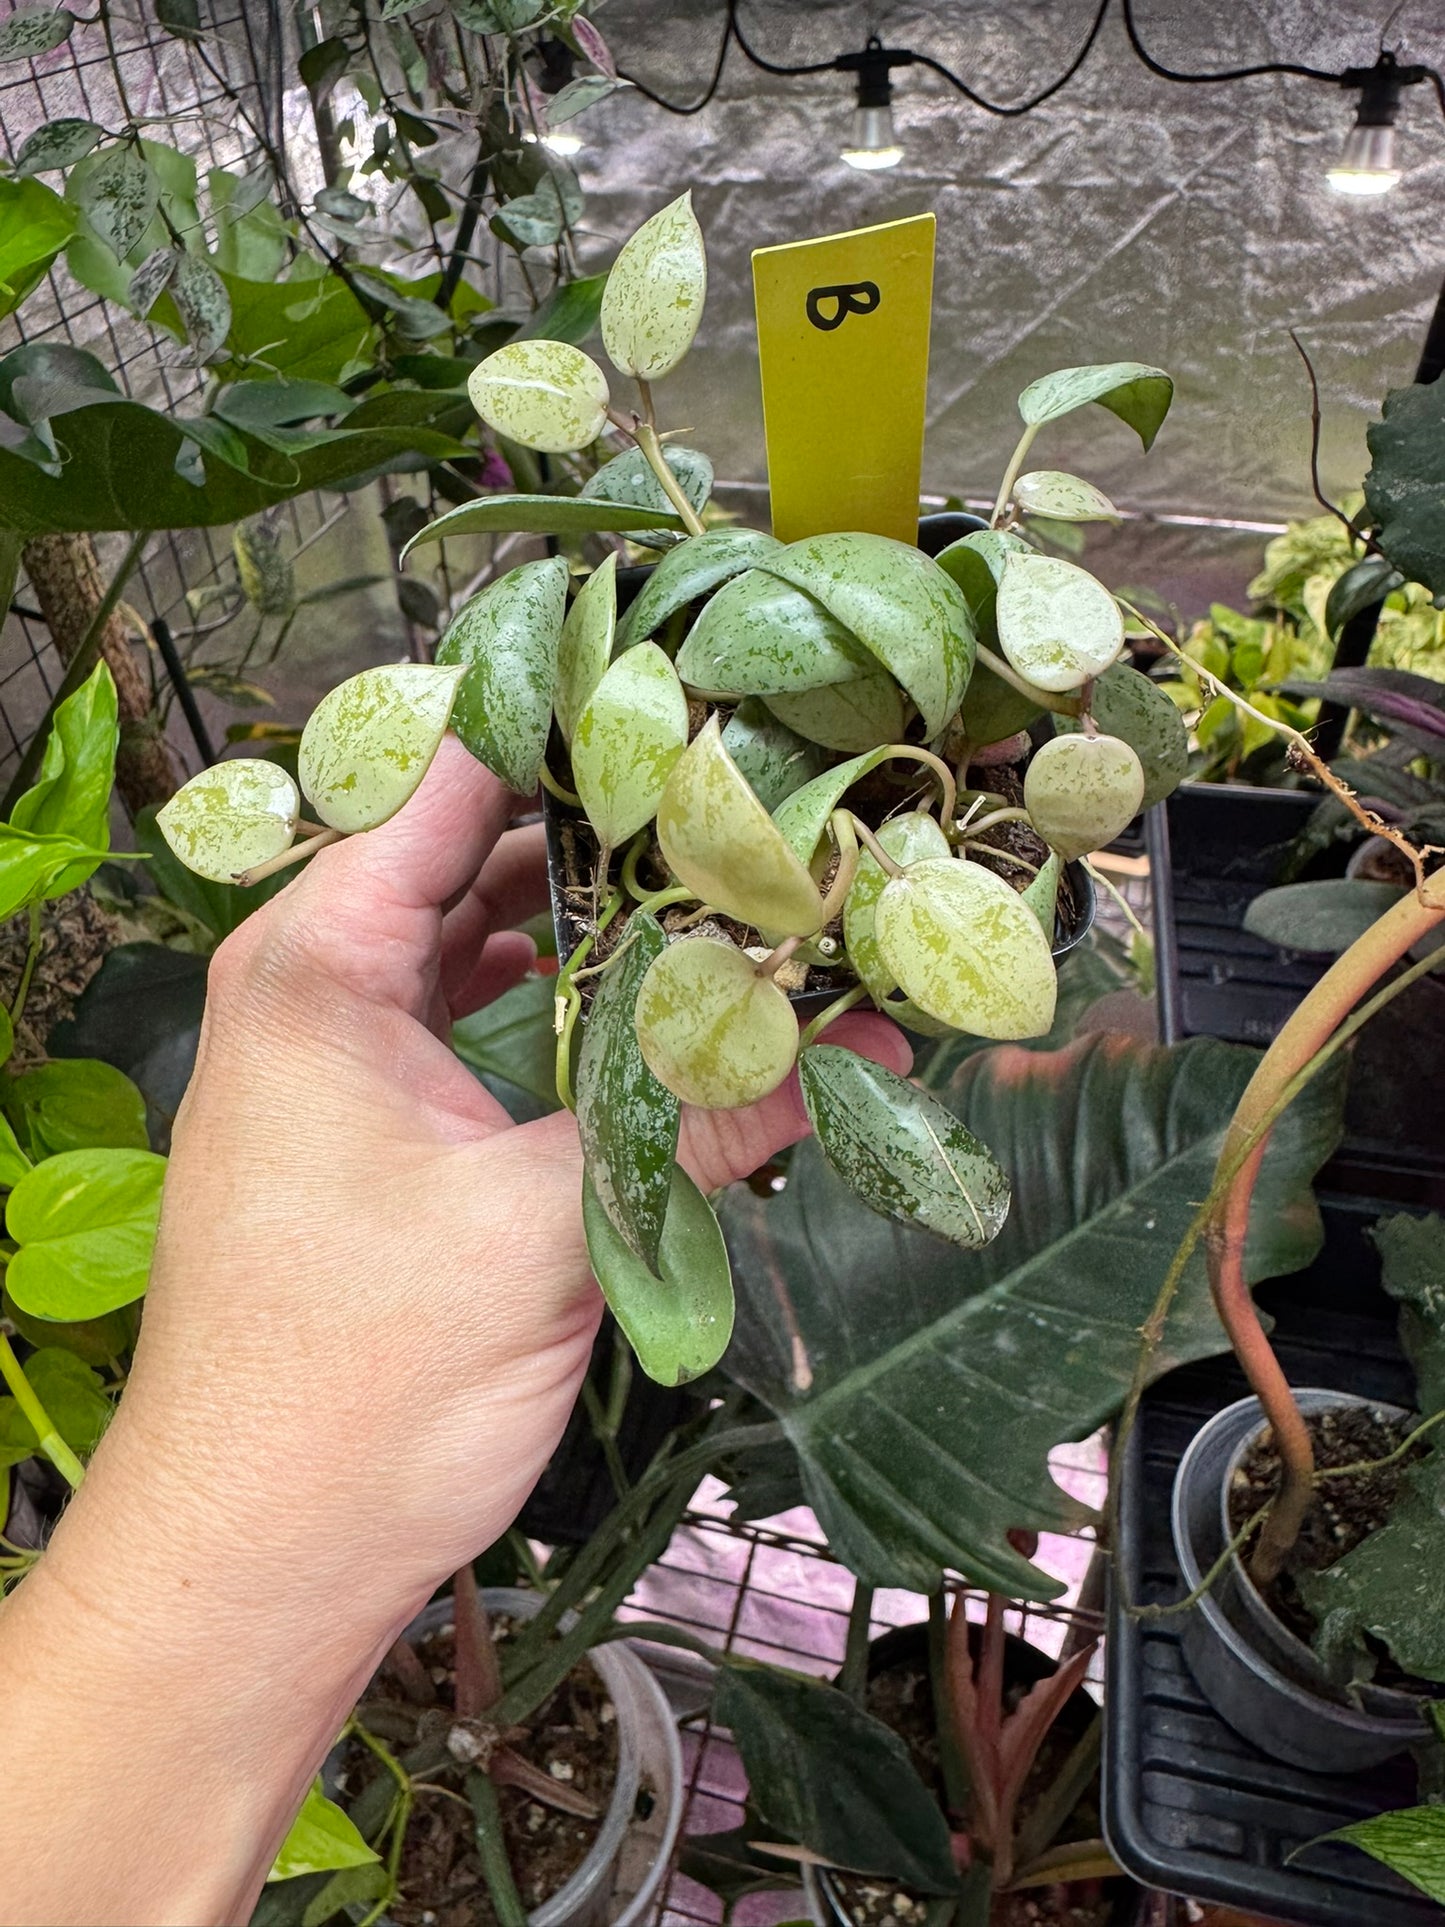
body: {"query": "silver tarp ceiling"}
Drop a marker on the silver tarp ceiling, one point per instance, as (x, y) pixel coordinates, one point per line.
(1127, 218)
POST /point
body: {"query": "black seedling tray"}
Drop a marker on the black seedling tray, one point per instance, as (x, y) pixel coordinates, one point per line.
(1188, 1805)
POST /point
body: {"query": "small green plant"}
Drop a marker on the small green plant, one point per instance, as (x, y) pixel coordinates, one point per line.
(782, 764)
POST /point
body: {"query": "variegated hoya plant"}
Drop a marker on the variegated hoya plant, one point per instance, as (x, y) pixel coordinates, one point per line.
(786, 764)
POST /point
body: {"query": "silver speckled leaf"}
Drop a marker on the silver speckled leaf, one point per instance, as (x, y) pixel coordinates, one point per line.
(654, 296)
(628, 739)
(370, 742)
(545, 394)
(508, 637)
(231, 817)
(1057, 624)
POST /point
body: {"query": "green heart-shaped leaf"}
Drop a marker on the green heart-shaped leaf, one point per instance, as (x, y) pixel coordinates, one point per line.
(804, 816)
(689, 571)
(508, 637)
(772, 761)
(35, 867)
(1081, 791)
(1057, 624)
(721, 842)
(900, 1150)
(976, 563)
(1064, 498)
(899, 604)
(586, 645)
(85, 1223)
(712, 1029)
(1134, 708)
(679, 1320)
(71, 794)
(994, 710)
(1136, 393)
(370, 742)
(540, 515)
(655, 291)
(320, 1838)
(759, 636)
(629, 736)
(72, 1399)
(966, 948)
(231, 817)
(628, 478)
(850, 716)
(544, 394)
(1041, 893)
(626, 1119)
(75, 1104)
(907, 839)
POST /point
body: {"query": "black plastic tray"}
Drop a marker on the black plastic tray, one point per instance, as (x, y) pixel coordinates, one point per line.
(1188, 1805)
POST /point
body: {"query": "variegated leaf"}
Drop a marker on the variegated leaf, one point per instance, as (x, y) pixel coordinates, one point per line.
(628, 739)
(711, 1028)
(655, 291)
(232, 817)
(966, 948)
(1057, 624)
(545, 394)
(508, 638)
(585, 648)
(371, 741)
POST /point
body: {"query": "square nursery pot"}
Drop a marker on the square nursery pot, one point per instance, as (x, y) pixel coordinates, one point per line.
(568, 829)
(617, 1883)
(1213, 847)
(1190, 1803)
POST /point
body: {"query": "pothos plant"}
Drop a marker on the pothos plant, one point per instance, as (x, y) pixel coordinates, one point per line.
(782, 764)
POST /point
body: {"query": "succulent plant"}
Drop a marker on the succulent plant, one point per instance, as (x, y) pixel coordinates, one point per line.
(772, 761)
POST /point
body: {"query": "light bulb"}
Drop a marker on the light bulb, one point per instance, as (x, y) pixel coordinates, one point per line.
(1367, 162)
(564, 145)
(874, 144)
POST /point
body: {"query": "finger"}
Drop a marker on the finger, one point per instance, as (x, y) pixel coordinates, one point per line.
(501, 964)
(511, 887)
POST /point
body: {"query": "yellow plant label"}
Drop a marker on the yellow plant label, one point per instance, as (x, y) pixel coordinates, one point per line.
(843, 339)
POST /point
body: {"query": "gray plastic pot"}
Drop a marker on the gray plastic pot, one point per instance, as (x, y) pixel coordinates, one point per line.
(617, 1883)
(1254, 1672)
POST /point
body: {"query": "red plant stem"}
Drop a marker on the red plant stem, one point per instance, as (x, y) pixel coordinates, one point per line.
(1306, 1033)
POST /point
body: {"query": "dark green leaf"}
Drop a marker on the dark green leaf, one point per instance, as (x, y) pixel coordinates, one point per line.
(1411, 1841)
(1362, 585)
(900, 1151)
(691, 570)
(678, 1320)
(311, 329)
(627, 1120)
(627, 478)
(1391, 1587)
(73, 1400)
(94, 1342)
(278, 404)
(727, 1866)
(508, 636)
(117, 191)
(35, 224)
(829, 1776)
(180, 17)
(772, 760)
(760, 636)
(348, 1887)
(538, 515)
(1410, 706)
(569, 313)
(85, 1224)
(513, 1038)
(31, 31)
(924, 1417)
(1324, 916)
(75, 1104)
(1411, 1272)
(1406, 482)
(321, 66)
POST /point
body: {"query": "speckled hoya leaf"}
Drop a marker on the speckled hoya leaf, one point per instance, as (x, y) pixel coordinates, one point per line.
(848, 716)
(720, 841)
(508, 637)
(150, 278)
(679, 1320)
(1065, 498)
(907, 839)
(967, 949)
(370, 742)
(1081, 791)
(899, 604)
(686, 573)
(628, 738)
(203, 303)
(772, 760)
(711, 1028)
(976, 562)
(585, 648)
(1057, 625)
(804, 816)
(545, 394)
(626, 1119)
(1136, 393)
(231, 817)
(1041, 893)
(1133, 707)
(34, 30)
(118, 196)
(900, 1151)
(57, 143)
(655, 291)
(628, 478)
(761, 637)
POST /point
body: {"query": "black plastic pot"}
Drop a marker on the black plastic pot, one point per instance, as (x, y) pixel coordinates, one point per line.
(1213, 847)
(1191, 1805)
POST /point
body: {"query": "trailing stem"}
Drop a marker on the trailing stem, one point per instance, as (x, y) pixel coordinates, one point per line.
(1311, 1027)
(36, 1416)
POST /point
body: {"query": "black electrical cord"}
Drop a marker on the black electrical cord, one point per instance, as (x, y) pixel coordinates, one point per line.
(705, 99)
(771, 66)
(1037, 100)
(1227, 73)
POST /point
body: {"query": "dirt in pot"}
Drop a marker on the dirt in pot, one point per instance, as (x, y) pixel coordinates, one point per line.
(572, 1739)
(1345, 1510)
(901, 1697)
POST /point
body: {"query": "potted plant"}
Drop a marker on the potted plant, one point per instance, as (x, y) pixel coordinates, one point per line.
(821, 780)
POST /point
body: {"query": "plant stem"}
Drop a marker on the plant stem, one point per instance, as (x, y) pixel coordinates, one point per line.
(492, 1852)
(854, 1677)
(646, 438)
(875, 848)
(32, 957)
(948, 786)
(845, 840)
(559, 790)
(569, 1001)
(1012, 814)
(1045, 698)
(1123, 903)
(770, 965)
(957, 1786)
(1310, 1028)
(812, 1032)
(296, 854)
(398, 1816)
(1011, 473)
(36, 1416)
(1000, 856)
(605, 1432)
